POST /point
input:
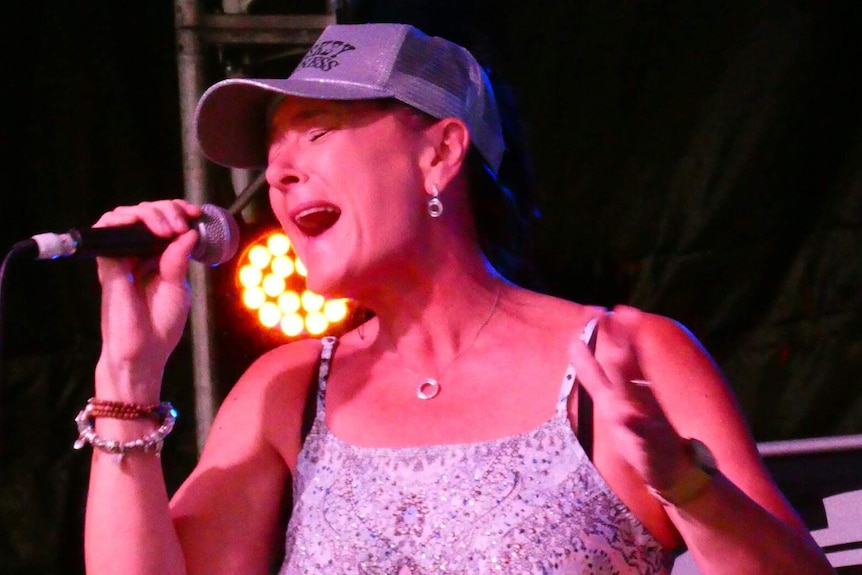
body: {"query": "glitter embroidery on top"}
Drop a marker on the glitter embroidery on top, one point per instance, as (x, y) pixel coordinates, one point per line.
(528, 504)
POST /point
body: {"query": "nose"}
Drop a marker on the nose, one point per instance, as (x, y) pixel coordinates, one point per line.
(282, 177)
(281, 170)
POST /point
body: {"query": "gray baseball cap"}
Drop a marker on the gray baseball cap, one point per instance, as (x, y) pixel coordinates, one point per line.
(355, 62)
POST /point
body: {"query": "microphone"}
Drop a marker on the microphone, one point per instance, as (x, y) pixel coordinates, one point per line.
(217, 229)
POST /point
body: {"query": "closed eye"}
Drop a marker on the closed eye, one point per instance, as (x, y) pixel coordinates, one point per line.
(316, 135)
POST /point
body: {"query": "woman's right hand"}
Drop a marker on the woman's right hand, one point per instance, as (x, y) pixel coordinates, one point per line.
(145, 302)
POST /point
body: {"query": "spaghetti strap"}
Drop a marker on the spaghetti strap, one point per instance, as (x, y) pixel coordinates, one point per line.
(326, 352)
(584, 429)
(588, 336)
(314, 400)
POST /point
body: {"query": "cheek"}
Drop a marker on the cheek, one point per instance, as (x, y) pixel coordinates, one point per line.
(276, 202)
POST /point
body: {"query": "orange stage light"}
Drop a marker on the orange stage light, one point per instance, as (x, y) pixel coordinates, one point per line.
(272, 281)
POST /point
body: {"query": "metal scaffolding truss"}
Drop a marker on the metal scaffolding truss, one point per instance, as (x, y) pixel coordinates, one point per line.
(240, 42)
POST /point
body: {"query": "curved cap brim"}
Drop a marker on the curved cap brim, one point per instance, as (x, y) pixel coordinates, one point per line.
(231, 117)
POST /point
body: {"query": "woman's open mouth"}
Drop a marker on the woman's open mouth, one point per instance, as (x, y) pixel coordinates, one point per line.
(314, 221)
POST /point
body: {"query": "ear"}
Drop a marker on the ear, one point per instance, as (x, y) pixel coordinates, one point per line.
(449, 142)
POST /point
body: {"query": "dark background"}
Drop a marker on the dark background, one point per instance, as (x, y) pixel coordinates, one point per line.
(697, 159)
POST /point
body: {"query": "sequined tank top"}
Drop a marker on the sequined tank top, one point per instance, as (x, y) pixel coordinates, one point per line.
(528, 504)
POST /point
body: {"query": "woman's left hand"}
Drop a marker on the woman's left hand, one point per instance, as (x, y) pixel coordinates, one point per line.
(624, 399)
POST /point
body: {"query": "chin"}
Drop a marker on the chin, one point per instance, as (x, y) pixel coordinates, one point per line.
(317, 284)
(329, 285)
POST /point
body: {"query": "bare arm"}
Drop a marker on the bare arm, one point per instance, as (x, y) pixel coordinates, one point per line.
(228, 516)
(225, 516)
(230, 513)
(127, 528)
(739, 522)
(144, 306)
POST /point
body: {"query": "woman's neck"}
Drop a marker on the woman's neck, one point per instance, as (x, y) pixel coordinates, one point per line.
(436, 322)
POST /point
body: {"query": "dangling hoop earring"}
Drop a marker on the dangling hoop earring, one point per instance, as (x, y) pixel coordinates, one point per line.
(435, 206)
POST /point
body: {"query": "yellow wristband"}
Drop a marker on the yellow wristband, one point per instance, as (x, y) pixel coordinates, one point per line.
(695, 482)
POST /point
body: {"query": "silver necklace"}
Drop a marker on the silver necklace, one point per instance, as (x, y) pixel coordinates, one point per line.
(429, 387)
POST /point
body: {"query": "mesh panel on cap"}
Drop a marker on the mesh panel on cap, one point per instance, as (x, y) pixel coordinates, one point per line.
(442, 79)
(436, 68)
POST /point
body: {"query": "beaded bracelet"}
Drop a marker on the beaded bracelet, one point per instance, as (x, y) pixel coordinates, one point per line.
(150, 443)
(120, 410)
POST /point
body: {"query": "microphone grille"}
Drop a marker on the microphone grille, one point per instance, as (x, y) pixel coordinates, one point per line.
(219, 236)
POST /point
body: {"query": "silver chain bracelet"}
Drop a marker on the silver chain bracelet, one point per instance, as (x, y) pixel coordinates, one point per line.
(150, 443)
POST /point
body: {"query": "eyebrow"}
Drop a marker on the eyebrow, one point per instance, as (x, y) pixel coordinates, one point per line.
(309, 114)
(313, 113)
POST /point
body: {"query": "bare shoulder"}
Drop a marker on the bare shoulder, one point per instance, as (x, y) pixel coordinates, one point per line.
(688, 383)
(236, 494)
(552, 314)
(699, 402)
(668, 352)
(284, 372)
(683, 373)
(655, 329)
(277, 384)
(264, 407)
(284, 367)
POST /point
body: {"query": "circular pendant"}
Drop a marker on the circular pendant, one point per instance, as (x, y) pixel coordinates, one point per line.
(428, 389)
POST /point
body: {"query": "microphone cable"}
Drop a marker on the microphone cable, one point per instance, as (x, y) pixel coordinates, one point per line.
(17, 250)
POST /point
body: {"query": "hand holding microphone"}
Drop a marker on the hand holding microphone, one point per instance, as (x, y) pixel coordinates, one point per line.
(142, 319)
(218, 239)
(145, 302)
